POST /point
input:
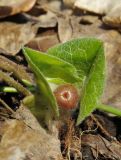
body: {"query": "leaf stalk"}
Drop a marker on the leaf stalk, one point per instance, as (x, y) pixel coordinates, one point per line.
(109, 109)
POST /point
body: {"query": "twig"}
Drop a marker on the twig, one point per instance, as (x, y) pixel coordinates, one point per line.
(5, 77)
(104, 131)
(6, 106)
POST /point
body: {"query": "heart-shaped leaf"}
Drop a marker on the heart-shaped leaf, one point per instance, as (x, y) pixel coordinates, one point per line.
(53, 67)
(93, 86)
(45, 91)
(79, 52)
(87, 55)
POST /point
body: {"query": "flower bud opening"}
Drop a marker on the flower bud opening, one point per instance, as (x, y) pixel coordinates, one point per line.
(67, 96)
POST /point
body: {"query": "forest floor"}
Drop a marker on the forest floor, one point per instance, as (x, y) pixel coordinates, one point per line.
(41, 26)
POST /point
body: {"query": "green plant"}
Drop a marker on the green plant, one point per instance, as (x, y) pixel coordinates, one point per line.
(79, 62)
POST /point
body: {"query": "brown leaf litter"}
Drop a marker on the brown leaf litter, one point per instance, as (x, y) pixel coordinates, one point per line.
(99, 145)
(12, 7)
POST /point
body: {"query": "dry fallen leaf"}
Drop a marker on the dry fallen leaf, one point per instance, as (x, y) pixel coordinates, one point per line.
(44, 17)
(55, 5)
(13, 36)
(43, 43)
(11, 7)
(100, 145)
(112, 94)
(113, 18)
(64, 29)
(82, 26)
(18, 141)
(97, 6)
(47, 20)
(69, 3)
(110, 8)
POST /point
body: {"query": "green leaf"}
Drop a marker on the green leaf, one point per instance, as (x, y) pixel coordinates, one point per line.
(79, 52)
(67, 62)
(53, 67)
(44, 89)
(57, 81)
(93, 87)
(87, 55)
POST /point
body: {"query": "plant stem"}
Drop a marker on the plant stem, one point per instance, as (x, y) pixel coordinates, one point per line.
(27, 83)
(10, 81)
(6, 106)
(8, 89)
(109, 109)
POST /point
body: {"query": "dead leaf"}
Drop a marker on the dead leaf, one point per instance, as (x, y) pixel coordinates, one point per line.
(100, 145)
(97, 6)
(82, 26)
(19, 141)
(55, 5)
(11, 7)
(14, 36)
(25, 115)
(69, 3)
(110, 8)
(112, 92)
(43, 43)
(44, 18)
(47, 20)
(51, 9)
(64, 29)
(113, 18)
(88, 20)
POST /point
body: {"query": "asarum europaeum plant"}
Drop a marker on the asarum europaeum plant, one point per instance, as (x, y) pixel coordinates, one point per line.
(69, 75)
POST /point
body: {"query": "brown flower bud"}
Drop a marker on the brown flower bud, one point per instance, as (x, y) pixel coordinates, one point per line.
(67, 96)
